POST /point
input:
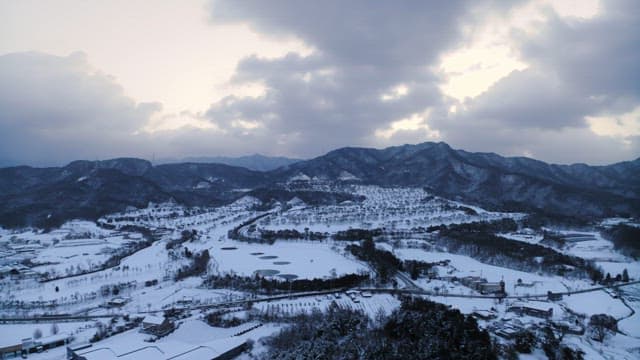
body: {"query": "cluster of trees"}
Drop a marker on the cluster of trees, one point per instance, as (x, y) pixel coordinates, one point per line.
(259, 284)
(357, 234)
(602, 325)
(624, 277)
(270, 236)
(526, 341)
(420, 329)
(553, 348)
(384, 262)
(479, 241)
(123, 252)
(417, 267)
(218, 319)
(538, 219)
(186, 235)
(501, 225)
(199, 262)
(235, 234)
(624, 238)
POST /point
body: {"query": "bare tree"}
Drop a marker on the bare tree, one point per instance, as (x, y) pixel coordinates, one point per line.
(601, 325)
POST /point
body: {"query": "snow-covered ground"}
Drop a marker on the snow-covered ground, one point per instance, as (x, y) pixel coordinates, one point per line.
(304, 258)
(80, 246)
(461, 266)
(368, 305)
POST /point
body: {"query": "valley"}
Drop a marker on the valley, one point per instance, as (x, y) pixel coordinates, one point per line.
(167, 273)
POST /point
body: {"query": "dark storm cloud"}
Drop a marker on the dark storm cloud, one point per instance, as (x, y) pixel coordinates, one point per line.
(54, 109)
(333, 97)
(598, 58)
(578, 68)
(359, 32)
(530, 99)
(362, 50)
(315, 106)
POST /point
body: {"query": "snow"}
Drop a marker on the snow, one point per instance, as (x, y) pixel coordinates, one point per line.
(368, 305)
(347, 176)
(154, 320)
(596, 302)
(84, 245)
(461, 265)
(14, 333)
(524, 237)
(305, 259)
(299, 177)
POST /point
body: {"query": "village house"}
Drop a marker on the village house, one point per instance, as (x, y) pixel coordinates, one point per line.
(221, 349)
(531, 309)
(157, 325)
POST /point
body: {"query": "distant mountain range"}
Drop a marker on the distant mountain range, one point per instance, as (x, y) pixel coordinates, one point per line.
(252, 162)
(88, 189)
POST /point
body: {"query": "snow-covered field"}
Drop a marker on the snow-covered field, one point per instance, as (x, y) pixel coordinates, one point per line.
(461, 266)
(305, 259)
(144, 280)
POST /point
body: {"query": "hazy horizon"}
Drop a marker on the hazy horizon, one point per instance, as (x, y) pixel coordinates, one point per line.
(208, 158)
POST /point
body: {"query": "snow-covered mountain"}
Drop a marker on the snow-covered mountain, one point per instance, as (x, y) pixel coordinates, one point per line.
(88, 189)
(255, 162)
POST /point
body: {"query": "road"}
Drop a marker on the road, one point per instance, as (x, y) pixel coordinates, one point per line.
(409, 291)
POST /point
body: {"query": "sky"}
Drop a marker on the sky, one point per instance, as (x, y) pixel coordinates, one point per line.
(556, 80)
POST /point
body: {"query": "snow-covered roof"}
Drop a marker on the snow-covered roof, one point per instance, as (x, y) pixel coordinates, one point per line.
(542, 306)
(152, 319)
(300, 177)
(169, 350)
(296, 201)
(346, 176)
(53, 338)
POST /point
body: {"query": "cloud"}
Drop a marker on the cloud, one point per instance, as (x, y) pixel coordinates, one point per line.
(373, 67)
(355, 32)
(529, 99)
(598, 58)
(53, 109)
(347, 89)
(371, 75)
(578, 70)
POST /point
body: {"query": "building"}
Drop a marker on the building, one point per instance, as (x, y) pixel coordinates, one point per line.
(554, 296)
(221, 349)
(491, 287)
(531, 309)
(568, 327)
(156, 325)
(30, 345)
(484, 314)
(10, 348)
(481, 285)
(117, 302)
(508, 332)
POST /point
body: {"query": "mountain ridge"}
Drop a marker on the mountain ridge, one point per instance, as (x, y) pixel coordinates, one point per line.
(256, 162)
(30, 195)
